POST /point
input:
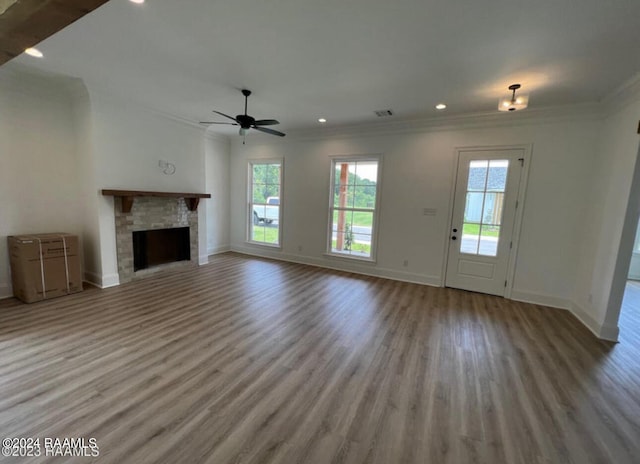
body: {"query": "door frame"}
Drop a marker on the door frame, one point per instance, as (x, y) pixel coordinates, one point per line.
(517, 226)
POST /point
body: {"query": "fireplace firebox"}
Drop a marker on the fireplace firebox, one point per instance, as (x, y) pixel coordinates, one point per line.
(160, 246)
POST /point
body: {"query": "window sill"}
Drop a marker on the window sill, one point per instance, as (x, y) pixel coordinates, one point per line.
(350, 258)
(263, 244)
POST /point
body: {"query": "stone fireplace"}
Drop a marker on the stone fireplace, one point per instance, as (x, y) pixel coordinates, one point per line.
(155, 247)
(149, 213)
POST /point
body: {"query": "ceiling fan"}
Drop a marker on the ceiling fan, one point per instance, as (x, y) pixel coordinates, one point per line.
(247, 122)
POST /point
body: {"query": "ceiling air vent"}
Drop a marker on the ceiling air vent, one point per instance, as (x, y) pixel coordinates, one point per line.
(383, 113)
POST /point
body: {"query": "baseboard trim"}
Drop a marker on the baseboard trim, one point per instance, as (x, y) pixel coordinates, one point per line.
(5, 291)
(97, 280)
(601, 331)
(110, 280)
(337, 265)
(93, 279)
(610, 333)
(544, 300)
(218, 250)
(93, 284)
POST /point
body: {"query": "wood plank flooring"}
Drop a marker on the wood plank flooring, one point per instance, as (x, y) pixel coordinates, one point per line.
(255, 361)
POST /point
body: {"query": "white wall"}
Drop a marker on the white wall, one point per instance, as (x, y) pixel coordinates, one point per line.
(83, 128)
(607, 249)
(418, 173)
(39, 185)
(128, 142)
(61, 143)
(217, 150)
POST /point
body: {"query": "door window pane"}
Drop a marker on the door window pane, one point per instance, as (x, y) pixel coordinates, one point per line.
(470, 238)
(497, 180)
(473, 207)
(492, 211)
(477, 176)
(484, 207)
(489, 236)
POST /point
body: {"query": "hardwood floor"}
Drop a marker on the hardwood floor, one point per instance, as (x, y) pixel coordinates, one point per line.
(255, 361)
(629, 322)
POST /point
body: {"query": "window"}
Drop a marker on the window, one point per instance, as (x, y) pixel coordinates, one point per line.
(354, 207)
(265, 195)
(484, 207)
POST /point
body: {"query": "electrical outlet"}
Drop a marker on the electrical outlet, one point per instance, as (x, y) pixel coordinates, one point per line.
(299, 248)
(405, 263)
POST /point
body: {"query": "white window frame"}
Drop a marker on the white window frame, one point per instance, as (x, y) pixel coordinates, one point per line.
(336, 160)
(249, 216)
(636, 242)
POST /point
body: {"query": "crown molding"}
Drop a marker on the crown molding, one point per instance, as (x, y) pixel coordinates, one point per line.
(550, 115)
(173, 117)
(626, 93)
(217, 137)
(26, 80)
(96, 93)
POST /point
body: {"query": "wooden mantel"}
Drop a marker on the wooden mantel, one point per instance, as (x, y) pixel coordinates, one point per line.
(191, 199)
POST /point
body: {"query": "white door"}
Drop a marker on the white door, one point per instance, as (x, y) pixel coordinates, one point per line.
(484, 212)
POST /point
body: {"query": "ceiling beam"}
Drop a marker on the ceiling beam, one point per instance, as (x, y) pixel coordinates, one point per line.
(26, 23)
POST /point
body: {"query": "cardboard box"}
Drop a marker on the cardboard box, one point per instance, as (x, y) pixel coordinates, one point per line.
(44, 266)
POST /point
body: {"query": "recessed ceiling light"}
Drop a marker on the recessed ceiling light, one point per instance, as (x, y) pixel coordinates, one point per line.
(441, 106)
(322, 120)
(34, 52)
(136, 1)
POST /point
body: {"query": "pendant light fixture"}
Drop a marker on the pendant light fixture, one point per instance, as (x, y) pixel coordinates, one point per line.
(511, 102)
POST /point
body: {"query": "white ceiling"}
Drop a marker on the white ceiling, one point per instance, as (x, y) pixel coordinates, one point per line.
(344, 59)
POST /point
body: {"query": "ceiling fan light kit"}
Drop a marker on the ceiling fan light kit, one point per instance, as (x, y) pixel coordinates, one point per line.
(247, 122)
(513, 102)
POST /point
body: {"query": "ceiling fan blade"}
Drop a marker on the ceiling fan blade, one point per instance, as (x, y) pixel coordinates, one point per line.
(266, 122)
(269, 131)
(225, 115)
(226, 123)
